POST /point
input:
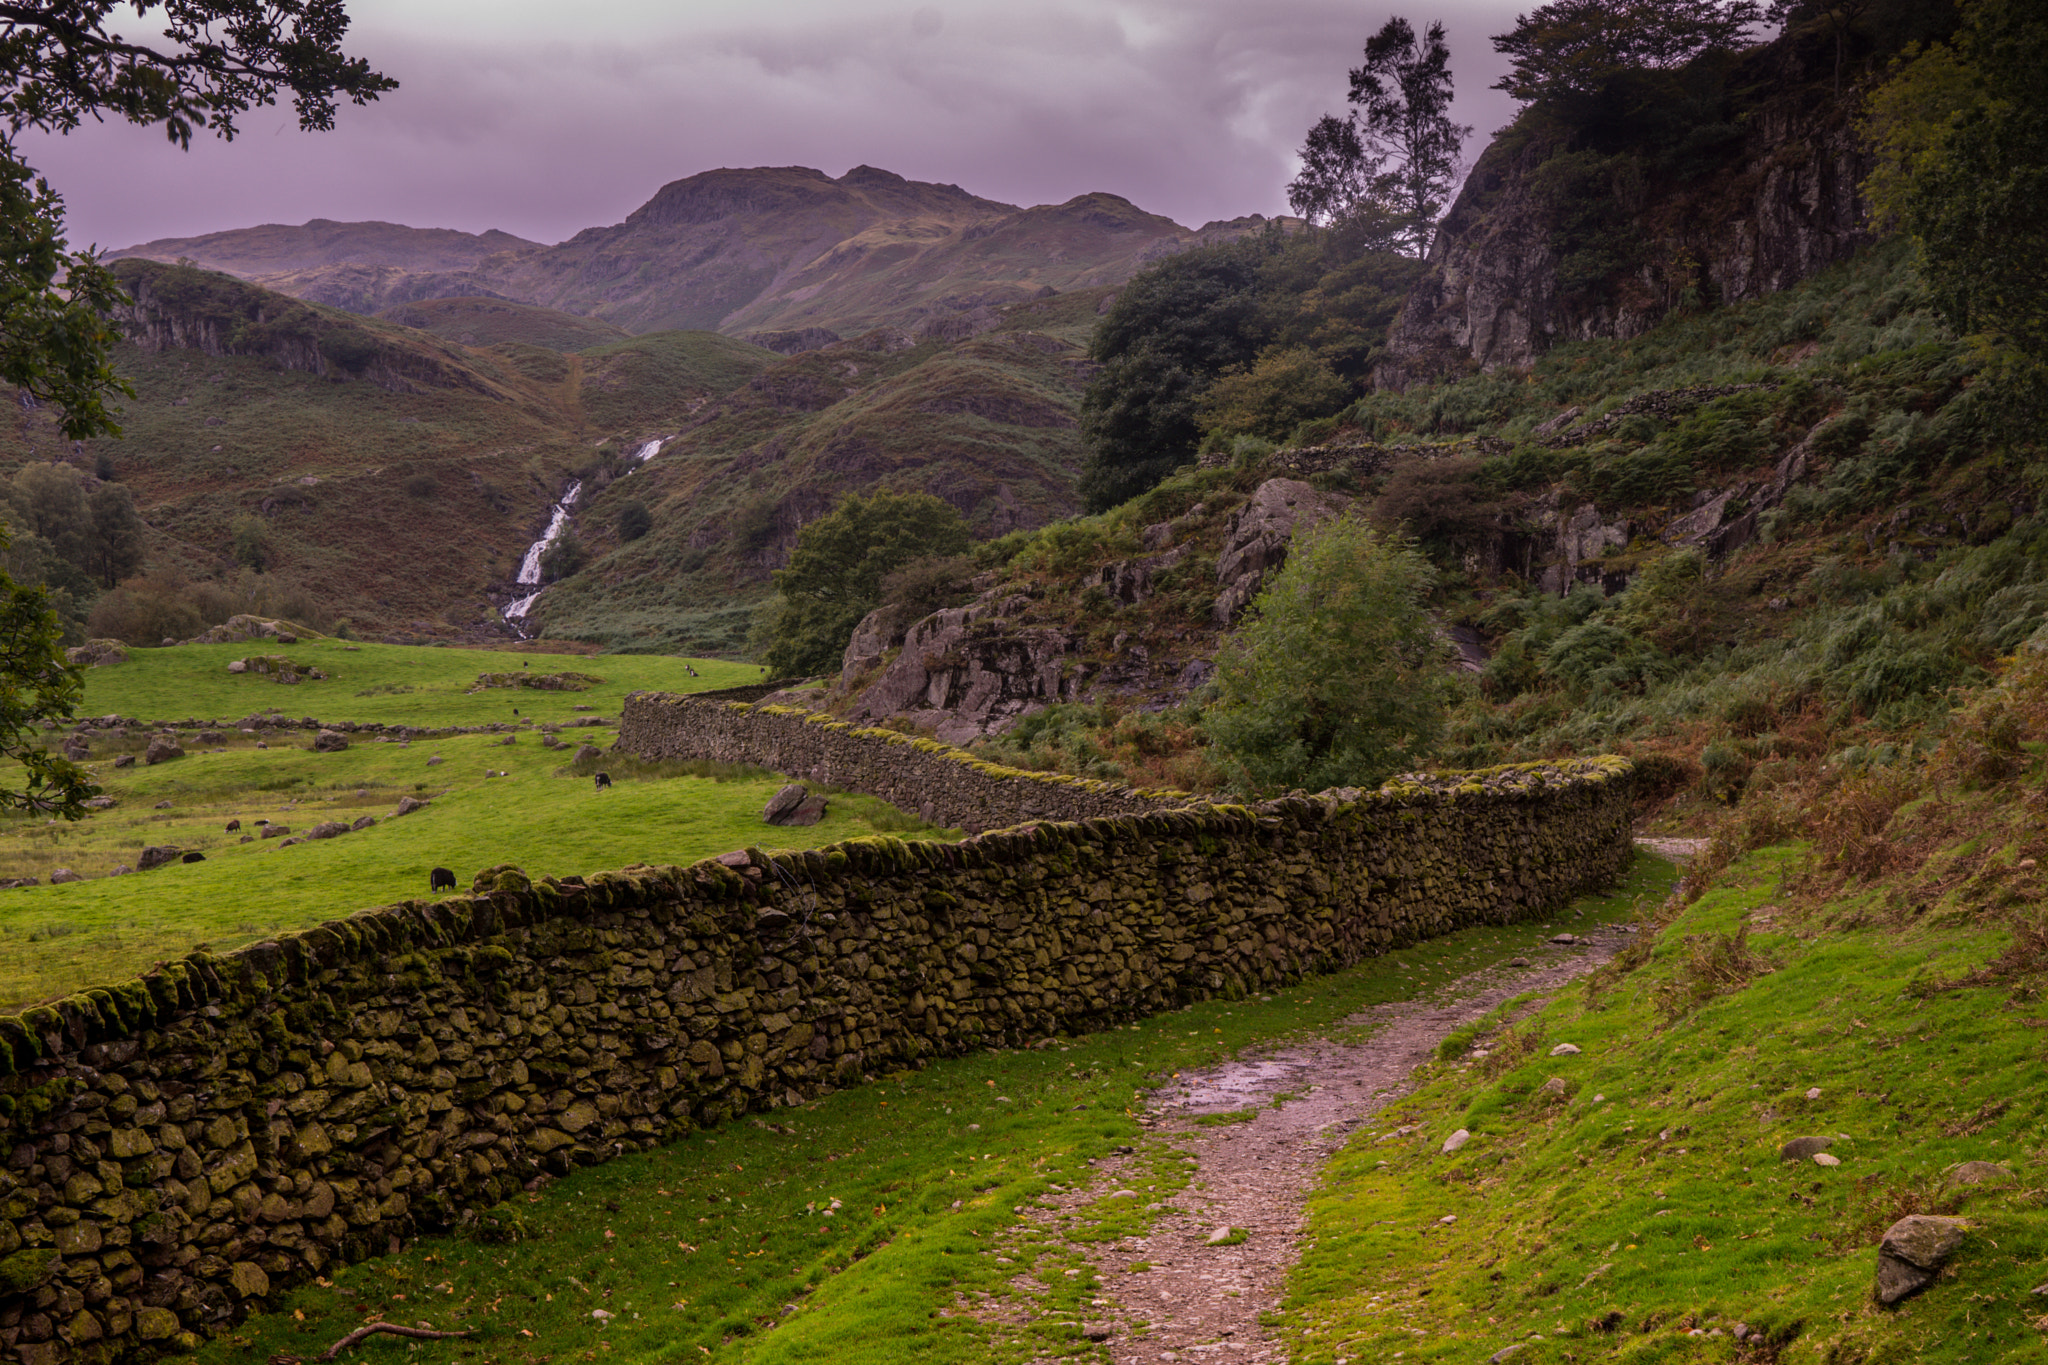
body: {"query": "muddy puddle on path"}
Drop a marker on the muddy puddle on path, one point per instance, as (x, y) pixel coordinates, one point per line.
(1176, 1295)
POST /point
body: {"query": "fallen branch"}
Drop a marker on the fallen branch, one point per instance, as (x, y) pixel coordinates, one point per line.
(371, 1329)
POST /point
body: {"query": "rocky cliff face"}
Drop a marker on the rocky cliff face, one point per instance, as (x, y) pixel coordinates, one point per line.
(1780, 203)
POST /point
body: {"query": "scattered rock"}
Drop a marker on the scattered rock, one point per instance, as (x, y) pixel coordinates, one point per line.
(155, 856)
(1913, 1252)
(161, 805)
(783, 803)
(1457, 1140)
(408, 804)
(64, 874)
(1098, 1331)
(1553, 1089)
(1518, 962)
(125, 761)
(162, 748)
(1800, 1149)
(1814, 1093)
(1564, 1050)
(1969, 1173)
(98, 653)
(587, 751)
(10, 883)
(329, 742)
(365, 823)
(327, 829)
(434, 762)
(273, 831)
(1566, 938)
(1824, 1159)
(121, 870)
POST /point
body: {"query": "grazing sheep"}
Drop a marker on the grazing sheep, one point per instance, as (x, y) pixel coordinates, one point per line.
(234, 825)
(603, 780)
(193, 858)
(440, 879)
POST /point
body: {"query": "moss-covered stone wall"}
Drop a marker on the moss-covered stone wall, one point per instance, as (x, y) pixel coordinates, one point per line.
(181, 1146)
(944, 785)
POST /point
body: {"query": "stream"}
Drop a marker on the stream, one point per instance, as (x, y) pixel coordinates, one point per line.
(529, 567)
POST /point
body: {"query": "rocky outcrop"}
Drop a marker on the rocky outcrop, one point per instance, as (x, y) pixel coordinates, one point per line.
(970, 671)
(97, 653)
(1257, 540)
(1782, 204)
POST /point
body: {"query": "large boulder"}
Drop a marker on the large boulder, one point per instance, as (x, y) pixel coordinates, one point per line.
(329, 742)
(1256, 539)
(794, 806)
(1913, 1253)
(327, 829)
(155, 856)
(162, 749)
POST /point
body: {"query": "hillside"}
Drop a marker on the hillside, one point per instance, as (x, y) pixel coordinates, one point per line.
(771, 249)
(275, 248)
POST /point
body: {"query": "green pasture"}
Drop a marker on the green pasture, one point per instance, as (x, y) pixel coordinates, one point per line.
(394, 684)
(1640, 1210)
(865, 1228)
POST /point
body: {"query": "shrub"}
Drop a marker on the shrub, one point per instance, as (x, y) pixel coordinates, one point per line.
(634, 520)
(1338, 678)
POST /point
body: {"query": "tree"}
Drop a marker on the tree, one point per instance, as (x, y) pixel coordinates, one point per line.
(36, 684)
(1961, 133)
(1286, 387)
(1338, 677)
(1569, 50)
(1336, 172)
(117, 549)
(835, 573)
(60, 64)
(1403, 93)
(1173, 329)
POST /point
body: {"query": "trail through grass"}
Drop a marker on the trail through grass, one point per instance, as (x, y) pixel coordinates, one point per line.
(859, 1228)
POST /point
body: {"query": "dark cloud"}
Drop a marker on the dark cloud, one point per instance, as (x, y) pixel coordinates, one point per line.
(553, 120)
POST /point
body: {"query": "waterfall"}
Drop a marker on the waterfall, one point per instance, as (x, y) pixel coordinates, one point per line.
(529, 567)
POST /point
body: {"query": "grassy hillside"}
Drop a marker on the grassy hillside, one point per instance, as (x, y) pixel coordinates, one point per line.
(490, 322)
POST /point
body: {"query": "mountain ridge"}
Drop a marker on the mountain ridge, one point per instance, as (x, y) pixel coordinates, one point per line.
(734, 250)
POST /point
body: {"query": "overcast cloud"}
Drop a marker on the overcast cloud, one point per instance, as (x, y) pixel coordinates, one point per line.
(542, 119)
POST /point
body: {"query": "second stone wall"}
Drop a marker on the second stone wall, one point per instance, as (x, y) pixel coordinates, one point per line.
(943, 785)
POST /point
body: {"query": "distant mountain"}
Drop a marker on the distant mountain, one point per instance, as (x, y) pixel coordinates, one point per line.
(765, 250)
(275, 248)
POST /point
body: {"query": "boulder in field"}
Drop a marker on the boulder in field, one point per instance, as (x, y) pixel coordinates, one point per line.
(327, 829)
(329, 742)
(1913, 1253)
(155, 856)
(162, 749)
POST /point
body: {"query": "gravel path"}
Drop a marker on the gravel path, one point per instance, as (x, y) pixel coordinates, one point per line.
(1202, 1301)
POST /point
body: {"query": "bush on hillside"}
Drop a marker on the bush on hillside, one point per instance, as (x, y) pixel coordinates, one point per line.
(1338, 678)
(836, 571)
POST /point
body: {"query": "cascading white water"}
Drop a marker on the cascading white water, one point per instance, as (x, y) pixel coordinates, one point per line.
(529, 567)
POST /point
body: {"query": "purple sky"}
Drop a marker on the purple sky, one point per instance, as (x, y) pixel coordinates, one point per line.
(542, 119)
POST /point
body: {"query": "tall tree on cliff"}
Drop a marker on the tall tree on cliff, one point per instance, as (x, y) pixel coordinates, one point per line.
(1403, 94)
(61, 64)
(1392, 161)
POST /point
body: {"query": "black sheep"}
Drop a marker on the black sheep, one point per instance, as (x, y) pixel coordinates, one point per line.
(194, 858)
(234, 825)
(440, 879)
(603, 780)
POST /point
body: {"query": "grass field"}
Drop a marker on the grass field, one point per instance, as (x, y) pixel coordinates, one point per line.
(393, 684)
(858, 1229)
(489, 802)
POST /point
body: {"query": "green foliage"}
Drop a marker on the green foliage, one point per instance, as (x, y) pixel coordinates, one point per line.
(36, 685)
(835, 573)
(1284, 388)
(1570, 52)
(1446, 504)
(252, 543)
(633, 520)
(566, 556)
(1336, 678)
(1962, 132)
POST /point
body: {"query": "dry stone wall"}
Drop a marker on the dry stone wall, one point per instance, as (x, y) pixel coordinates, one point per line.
(944, 785)
(181, 1146)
